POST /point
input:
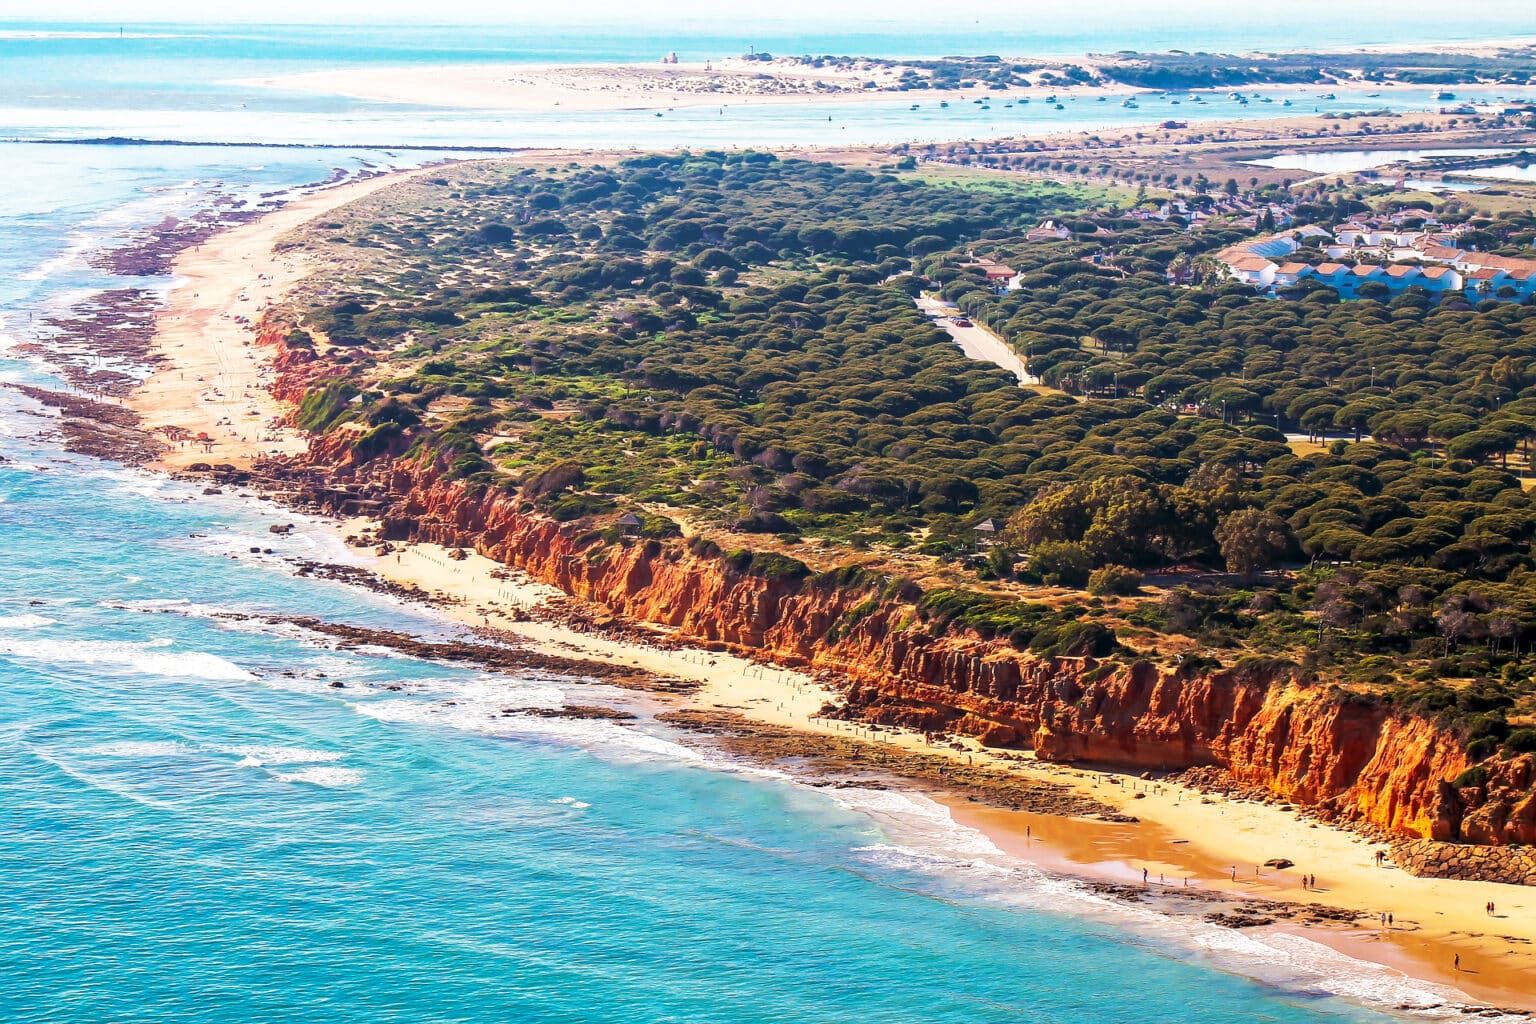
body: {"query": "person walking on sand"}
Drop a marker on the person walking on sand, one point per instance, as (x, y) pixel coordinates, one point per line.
(1457, 962)
(1143, 876)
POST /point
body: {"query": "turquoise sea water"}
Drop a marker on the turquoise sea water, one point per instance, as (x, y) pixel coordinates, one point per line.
(184, 83)
(196, 825)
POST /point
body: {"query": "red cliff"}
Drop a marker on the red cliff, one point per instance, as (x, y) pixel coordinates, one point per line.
(1351, 759)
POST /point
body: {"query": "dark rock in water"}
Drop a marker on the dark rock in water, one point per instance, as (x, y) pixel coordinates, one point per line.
(585, 711)
(280, 528)
(255, 551)
(213, 490)
(337, 685)
(1238, 919)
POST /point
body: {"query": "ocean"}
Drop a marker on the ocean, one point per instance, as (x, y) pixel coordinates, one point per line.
(210, 813)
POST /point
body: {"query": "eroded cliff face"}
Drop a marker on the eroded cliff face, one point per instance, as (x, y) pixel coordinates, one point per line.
(1349, 759)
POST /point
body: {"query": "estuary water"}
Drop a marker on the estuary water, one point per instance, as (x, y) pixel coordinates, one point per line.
(206, 818)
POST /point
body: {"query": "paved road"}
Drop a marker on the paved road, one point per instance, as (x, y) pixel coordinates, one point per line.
(977, 342)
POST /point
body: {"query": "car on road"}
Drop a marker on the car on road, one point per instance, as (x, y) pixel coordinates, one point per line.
(961, 321)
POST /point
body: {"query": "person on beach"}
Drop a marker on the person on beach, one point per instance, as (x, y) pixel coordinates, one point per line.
(1456, 963)
(1143, 876)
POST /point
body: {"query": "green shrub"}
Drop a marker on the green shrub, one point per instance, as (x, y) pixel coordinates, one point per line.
(1114, 579)
(1061, 563)
(1482, 747)
(1521, 741)
(1477, 775)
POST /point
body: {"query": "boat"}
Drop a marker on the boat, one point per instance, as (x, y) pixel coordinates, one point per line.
(1060, 107)
(1174, 102)
(1131, 104)
(1326, 96)
(943, 103)
(912, 107)
(1442, 95)
(1286, 103)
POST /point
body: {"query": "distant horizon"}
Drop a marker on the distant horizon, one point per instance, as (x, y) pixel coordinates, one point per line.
(893, 34)
(1497, 18)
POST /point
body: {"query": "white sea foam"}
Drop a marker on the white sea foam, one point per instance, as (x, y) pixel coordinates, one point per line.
(923, 838)
(489, 719)
(138, 748)
(151, 658)
(328, 777)
(262, 756)
(915, 815)
(25, 621)
(80, 244)
(571, 801)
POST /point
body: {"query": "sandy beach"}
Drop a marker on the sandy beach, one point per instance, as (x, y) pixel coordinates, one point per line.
(212, 379)
(727, 83)
(589, 87)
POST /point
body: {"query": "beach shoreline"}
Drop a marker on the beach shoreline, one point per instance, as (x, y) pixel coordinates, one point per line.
(731, 82)
(207, 398)
(232, 396)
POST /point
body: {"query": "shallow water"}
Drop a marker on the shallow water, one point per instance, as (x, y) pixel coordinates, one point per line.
(1349, 161)
(197, 825)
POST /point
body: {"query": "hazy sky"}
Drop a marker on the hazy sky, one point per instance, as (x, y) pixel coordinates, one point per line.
(1494, 15)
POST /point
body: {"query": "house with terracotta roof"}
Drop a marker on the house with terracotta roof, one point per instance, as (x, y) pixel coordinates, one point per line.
(1252, 270)
(1440, 279)
(1289, 274)
(999, 275)
(1400, 260)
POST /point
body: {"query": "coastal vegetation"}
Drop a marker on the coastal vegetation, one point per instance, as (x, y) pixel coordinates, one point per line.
(1177, 69)
(727, 346)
